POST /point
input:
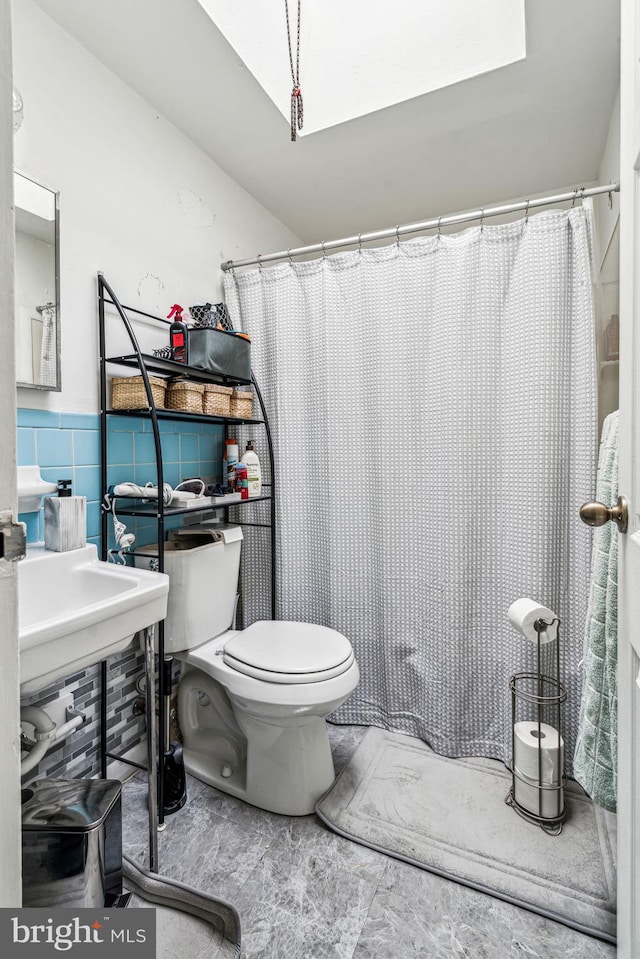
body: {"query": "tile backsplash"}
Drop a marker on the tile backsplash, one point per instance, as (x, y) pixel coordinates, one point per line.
(67, 446)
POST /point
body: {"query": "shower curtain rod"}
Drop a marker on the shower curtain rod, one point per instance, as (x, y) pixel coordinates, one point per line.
(579, 193)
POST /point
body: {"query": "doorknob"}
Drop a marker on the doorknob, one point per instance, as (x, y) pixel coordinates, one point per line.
(597, 514)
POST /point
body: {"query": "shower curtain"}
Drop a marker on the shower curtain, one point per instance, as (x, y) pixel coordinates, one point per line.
(48, 358)
(433, 411)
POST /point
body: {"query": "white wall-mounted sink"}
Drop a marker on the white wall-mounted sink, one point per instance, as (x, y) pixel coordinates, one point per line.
(75, 610)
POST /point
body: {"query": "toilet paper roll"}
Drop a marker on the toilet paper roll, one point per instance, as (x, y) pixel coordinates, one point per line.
(525, 612)
(533, 743)
(548, 803)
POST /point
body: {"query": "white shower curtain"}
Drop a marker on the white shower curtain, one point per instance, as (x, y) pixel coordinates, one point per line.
(433, 410)
(48, 350)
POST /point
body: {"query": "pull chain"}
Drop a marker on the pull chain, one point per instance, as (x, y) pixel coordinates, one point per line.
(297, 109)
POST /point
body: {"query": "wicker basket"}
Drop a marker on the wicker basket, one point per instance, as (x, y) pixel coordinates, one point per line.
(216, 400)
(185, 396)
(242, 404)
(128, 392)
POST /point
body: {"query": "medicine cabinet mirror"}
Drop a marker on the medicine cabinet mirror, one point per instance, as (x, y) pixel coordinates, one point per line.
(37, 271)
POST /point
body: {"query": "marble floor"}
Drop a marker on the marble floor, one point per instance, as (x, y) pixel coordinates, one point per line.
(304, 892)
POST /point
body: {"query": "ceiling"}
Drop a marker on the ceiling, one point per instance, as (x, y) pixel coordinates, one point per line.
(434, 45)
(532, 126)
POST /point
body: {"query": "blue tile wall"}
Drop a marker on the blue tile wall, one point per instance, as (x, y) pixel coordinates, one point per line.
(67, 446)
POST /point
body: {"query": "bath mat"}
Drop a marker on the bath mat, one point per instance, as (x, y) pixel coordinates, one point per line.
(449, 816)
(189, 922)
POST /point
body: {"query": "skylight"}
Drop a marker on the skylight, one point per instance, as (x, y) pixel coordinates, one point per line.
(359, 56)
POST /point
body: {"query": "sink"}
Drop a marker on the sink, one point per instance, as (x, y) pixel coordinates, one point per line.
(75, 610)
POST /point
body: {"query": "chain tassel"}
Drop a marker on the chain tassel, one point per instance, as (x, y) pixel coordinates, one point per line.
(297, 112)
(296, 93)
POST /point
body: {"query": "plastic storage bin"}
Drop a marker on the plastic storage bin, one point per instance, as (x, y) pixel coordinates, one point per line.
(199, 561)
(72, 843)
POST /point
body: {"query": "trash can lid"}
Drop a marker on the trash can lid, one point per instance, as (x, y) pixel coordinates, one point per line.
(68, 805)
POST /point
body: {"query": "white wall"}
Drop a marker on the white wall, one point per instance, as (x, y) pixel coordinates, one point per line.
(608, 260)
(608, 214)
(137, 199)
(10, 834)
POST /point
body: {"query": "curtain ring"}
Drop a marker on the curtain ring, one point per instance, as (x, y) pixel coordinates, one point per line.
(324, 252)
(582, 194)
(575, 196)
(526, 212)
(359, 242)
(610, 199)
(482, 220)
(289, 255)
(439, 226)
(398, 237)
(259, 259)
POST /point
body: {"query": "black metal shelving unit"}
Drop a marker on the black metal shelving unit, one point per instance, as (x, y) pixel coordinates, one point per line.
(145, 364)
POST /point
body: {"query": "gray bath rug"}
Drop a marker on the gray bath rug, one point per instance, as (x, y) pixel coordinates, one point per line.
(449, 816)
(188, 922)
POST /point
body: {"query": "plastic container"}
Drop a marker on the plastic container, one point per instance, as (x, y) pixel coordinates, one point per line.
(254, 472)
(229, 461)
(242, 477)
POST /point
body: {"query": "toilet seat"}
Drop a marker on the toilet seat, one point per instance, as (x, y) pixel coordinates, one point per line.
(285, 652)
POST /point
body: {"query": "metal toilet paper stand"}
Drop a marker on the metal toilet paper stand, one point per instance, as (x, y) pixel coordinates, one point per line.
(541, 696)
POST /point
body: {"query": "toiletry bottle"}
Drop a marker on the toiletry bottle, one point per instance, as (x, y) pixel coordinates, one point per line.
(65, 520)
(241, 480)
(254, 473)
(178, 335)
(229, 460)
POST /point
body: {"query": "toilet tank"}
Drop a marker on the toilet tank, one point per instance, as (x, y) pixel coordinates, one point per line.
(202, 563)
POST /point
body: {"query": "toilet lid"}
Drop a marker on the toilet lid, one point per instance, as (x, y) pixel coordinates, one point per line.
(284, 652)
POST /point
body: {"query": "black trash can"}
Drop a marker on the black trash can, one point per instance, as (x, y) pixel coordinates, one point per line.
(72, 843)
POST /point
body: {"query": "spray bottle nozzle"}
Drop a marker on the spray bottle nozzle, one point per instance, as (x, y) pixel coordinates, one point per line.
(176, 311)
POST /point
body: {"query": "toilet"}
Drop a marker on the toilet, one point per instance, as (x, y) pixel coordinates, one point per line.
(252, 703)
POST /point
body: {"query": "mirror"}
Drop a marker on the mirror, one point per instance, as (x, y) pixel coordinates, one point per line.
(37, 285)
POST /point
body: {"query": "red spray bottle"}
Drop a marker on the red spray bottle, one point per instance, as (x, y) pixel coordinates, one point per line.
(178, 335)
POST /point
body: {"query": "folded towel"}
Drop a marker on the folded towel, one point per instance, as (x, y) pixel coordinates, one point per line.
(594, 763)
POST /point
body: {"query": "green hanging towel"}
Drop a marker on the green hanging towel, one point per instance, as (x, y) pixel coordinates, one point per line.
(594, 763)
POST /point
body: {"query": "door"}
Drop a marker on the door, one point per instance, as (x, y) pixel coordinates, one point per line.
(10, 884)
(629, 480)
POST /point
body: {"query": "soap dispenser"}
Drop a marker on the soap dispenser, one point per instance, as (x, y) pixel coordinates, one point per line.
(65, 520)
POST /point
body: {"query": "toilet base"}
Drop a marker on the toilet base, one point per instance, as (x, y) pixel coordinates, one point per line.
(265, 743)
(286, 770)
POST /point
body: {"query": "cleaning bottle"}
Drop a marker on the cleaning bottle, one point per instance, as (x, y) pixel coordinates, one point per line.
(178, 335)
(241, 480)
(254, 473)
(229, 461)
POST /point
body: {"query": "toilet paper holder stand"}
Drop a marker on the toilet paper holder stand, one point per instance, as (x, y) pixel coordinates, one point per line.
(541, 694)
